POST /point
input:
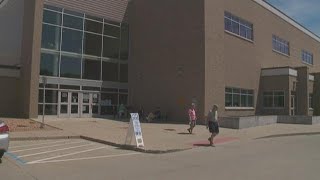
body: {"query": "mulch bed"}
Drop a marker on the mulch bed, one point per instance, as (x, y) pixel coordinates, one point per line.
(20, 125)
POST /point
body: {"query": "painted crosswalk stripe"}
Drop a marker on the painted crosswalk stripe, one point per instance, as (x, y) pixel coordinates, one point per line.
(70, 154)
(37, 144)
(86, 158)
(47, 146)
(46, 152)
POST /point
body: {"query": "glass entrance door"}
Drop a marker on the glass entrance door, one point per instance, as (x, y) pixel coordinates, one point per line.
(74, 104)
(90, 105)
(64, 104)
(68, 104)
(86, 105)
(95, 104)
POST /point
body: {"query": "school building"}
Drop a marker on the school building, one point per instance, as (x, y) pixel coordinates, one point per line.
(84, 58)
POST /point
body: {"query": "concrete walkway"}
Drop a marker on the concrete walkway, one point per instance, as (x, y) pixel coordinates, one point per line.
(158, 137)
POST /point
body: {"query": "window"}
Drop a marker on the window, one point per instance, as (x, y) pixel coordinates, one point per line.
(112, 30)
(310, 101)
(307, 57)
(273, 99)
(124, 73)
(49, 64)
(72, 22)
(238, 26)
(85, 43)
(280, 45)
(51, 17)
(123, 99)
(92, 44)
(91, 69)
(93, 26)
(50, 37)
(236, 97)
(51, 101)
(70, 67)
(71, 41)
(111, 47)
(124, 52)
(110, 71)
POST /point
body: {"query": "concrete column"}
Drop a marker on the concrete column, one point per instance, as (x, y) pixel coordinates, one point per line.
(302, 91)
(30, 57)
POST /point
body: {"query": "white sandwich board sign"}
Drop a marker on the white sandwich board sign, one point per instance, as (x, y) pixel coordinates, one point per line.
(134, 130)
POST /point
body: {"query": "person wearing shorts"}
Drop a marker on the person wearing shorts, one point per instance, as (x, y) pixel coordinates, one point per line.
(213, 124)
(192, 118)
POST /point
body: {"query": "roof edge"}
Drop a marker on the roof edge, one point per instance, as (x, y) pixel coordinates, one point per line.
(288, 19)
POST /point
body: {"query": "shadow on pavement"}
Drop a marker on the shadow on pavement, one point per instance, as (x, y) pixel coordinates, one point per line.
(202, 145)
(184, 133)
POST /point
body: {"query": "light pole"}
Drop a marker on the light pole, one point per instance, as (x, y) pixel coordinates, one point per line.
(44, 82)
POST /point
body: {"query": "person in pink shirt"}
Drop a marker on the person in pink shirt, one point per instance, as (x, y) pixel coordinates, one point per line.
(192, 117)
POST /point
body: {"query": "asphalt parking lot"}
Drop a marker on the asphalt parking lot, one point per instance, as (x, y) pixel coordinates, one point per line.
(59, 151)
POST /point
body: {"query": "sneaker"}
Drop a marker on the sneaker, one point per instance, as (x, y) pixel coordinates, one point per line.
(189, 130)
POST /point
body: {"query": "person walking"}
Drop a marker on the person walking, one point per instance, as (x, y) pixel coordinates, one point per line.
(192, 117)
(213, 124)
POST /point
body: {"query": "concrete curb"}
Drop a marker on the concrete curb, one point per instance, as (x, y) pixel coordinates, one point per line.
(133, 148)
(287, 135)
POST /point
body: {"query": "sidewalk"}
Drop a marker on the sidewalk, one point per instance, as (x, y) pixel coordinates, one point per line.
(158, 137)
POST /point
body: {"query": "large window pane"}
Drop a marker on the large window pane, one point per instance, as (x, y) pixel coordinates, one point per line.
(108, 99)
(50, 37)
(51, 96)
(123, 99)
(236, 100)
(40, 96)
(244, 101)
(49, 65)
(51, 17)
(51, 109)
(109, 71)
(93, 26)
(250, 101)
(124, 42)
(70, 67)
(72, 22)
(91, 69)
(108, 110)
(228, 100)
(279, 101)
(124, 73)
(111, 47)
(71, 41)
(111, 30)
(227, 24)
(93, 44)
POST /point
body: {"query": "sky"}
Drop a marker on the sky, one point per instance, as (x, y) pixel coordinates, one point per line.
(306, 12)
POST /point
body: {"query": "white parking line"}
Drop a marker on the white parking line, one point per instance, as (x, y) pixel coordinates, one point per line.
(87, 158)
(43, 147)
(37, 144)
(55, 157)
(28, 155)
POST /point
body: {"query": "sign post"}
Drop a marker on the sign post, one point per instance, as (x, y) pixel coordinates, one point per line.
(134, 130)
(44, 82)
